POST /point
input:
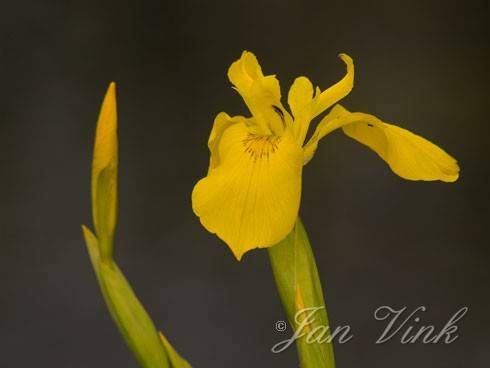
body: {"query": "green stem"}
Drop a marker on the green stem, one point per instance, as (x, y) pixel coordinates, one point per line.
(300, 290)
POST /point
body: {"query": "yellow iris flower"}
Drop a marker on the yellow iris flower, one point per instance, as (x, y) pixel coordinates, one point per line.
(251, 195)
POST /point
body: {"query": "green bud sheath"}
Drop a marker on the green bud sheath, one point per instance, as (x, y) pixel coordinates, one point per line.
(150, 348)
(127, 312)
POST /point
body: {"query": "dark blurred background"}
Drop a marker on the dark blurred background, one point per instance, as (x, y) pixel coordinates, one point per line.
(378, 240)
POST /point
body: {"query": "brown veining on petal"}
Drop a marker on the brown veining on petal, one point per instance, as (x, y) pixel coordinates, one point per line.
(260, 146)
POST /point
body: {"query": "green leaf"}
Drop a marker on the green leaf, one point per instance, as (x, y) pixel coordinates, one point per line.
(299, 287)
(129, 315)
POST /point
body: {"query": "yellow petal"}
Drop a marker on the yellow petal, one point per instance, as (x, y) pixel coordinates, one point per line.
(221, 122)
(300, 95)
(338, 91)
(300, 99)
(244, 71)
(408, 155)
(262, 94)
(329, 123)
(251, 199)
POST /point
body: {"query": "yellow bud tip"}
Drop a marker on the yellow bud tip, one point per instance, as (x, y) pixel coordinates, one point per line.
(105, 150)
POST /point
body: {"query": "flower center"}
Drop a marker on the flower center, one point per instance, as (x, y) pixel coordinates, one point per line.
(260, 146)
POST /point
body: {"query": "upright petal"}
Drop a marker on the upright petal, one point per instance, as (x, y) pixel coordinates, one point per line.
(262, 94)
(306, 107)
(251, 199)
(244, 71)
(300, 99)
(300, 95)
(338, 91)
(408, 155)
